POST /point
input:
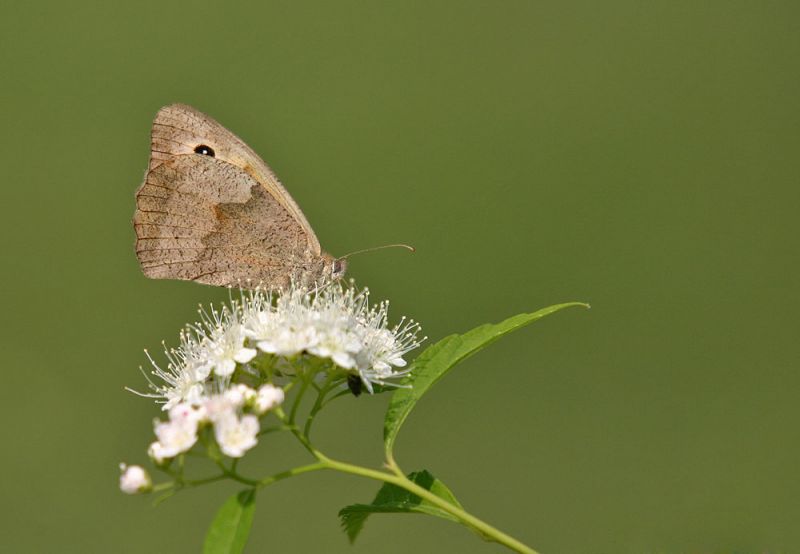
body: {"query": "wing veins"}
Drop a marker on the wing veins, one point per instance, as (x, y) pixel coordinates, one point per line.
(212, 231)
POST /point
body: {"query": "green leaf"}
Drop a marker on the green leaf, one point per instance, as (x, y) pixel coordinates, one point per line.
(439, 358)
(393, 499)
(231, 526)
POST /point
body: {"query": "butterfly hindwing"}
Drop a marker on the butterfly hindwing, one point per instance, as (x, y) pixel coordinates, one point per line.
(205, 220)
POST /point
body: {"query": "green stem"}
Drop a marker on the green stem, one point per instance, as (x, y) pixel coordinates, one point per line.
(296, 432)
(163, 486)
(198, 482)
(402, 481)
(318, 403)
(297, 400)
(231, 473)
(241, 479)
(335, 396)
(290, 473)
(394, 476)
(273, 429)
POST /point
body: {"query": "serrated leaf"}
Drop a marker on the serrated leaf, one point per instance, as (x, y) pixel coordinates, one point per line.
(394, 499)
(432, 364)
(231, 526)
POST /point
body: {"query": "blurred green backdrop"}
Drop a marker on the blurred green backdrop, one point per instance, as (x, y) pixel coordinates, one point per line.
(639, 156)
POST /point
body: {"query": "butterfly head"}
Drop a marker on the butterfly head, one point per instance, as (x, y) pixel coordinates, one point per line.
(338, 268)
(326, 269)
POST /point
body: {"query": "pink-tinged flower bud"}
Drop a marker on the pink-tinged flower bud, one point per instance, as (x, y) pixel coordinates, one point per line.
(134, 479)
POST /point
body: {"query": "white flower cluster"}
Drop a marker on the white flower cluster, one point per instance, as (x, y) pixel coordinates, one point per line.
(233, 415)
(334, 322)
(220, 378)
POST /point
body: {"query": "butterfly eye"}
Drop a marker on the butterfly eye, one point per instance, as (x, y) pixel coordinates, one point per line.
(204, 150)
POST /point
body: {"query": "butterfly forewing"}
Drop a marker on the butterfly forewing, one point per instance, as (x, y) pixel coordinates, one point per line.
(179, 129)
(211, 211)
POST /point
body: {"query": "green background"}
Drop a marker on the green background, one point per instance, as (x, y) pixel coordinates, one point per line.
(639, 156)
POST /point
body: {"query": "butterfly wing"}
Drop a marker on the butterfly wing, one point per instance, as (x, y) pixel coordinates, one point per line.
(179, 129)
(202, 219)
(222, 218)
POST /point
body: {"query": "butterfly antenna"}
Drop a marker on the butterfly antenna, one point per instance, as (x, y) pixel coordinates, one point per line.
(406, 246)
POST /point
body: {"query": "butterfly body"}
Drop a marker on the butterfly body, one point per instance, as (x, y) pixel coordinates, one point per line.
(211, 211)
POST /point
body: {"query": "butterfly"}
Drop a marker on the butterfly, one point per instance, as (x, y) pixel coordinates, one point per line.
(211, 211)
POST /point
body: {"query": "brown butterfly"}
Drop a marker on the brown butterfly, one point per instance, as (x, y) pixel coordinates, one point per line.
(210, 210)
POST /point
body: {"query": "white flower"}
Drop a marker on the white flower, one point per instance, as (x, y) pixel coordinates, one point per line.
(195, 412)
(186, 391)
(267, 398)
(156, 453)
(279, 331)
(238, 395)
(260, 323)
(337, 343)
(384, 349)
(288, 341)
(134, 479)
(187, 368)
(218, 406)
(235, 435)
(175, 436)
(227, 349)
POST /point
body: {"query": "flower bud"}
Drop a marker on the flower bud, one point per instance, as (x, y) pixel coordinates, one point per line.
(268, 397)
(238, 395)
(134, 479)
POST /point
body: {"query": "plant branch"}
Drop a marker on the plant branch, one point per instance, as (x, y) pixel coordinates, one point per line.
(290, 473)
(403, 482)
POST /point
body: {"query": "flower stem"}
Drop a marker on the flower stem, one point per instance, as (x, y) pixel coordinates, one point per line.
(402, 481)
(318, 403)
(198, 482)
(397, 478)
(394, 476)
(297, 400)
(231, 473)
(290, 473)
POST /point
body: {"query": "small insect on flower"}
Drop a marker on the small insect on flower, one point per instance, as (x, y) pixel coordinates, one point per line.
(354, 384)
